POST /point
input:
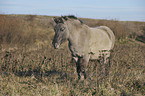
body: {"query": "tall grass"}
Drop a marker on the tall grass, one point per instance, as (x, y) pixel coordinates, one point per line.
(12, 31)
(22, 29)
(35, 70)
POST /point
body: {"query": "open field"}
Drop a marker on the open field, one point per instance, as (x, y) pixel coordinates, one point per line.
(30, 66)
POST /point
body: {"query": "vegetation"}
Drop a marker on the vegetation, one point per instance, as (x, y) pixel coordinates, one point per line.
(30, 66)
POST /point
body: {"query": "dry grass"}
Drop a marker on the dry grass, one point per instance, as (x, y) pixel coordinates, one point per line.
(13, 30)
(35, 68)
(23, 29)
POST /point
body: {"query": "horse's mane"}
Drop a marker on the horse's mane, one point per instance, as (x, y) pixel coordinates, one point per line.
(60, 19)
(69, 17)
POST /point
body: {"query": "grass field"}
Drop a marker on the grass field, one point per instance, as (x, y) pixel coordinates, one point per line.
(30, 66)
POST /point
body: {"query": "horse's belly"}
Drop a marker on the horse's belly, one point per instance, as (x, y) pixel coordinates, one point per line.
(97, 52)
(94, 56)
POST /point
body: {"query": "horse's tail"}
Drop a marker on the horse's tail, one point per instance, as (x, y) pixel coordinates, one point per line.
(112, 37)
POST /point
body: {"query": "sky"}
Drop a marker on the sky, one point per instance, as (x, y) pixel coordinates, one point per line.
(122, 10)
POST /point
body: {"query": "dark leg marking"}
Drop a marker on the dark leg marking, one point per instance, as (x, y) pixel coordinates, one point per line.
(81, 67)
(78, 68)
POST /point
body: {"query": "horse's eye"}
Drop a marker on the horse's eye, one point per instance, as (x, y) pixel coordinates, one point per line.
(62, 29)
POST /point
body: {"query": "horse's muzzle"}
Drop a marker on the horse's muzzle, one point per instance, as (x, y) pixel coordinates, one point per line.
(55, 45)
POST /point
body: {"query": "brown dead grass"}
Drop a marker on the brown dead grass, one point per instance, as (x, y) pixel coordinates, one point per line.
(23, 29)
(37, 69)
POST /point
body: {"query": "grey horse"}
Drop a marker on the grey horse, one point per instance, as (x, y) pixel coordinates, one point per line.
(85, 43)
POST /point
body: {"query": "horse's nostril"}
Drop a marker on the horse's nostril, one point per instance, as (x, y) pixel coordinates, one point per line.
(56, 45)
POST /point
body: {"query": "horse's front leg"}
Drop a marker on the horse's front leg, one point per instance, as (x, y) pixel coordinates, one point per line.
(81, 67)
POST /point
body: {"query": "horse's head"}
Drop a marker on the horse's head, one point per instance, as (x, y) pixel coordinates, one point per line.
(61, 32)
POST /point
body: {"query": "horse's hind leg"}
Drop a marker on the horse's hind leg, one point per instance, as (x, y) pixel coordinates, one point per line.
(104, 66)
(107, 65)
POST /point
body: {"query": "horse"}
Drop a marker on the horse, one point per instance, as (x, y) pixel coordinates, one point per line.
(85, 43)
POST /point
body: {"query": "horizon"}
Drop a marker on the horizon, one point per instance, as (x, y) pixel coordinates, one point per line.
(130, 10)
(71, 14)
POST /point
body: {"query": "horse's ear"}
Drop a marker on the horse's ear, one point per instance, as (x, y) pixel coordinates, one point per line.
(54, 21)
